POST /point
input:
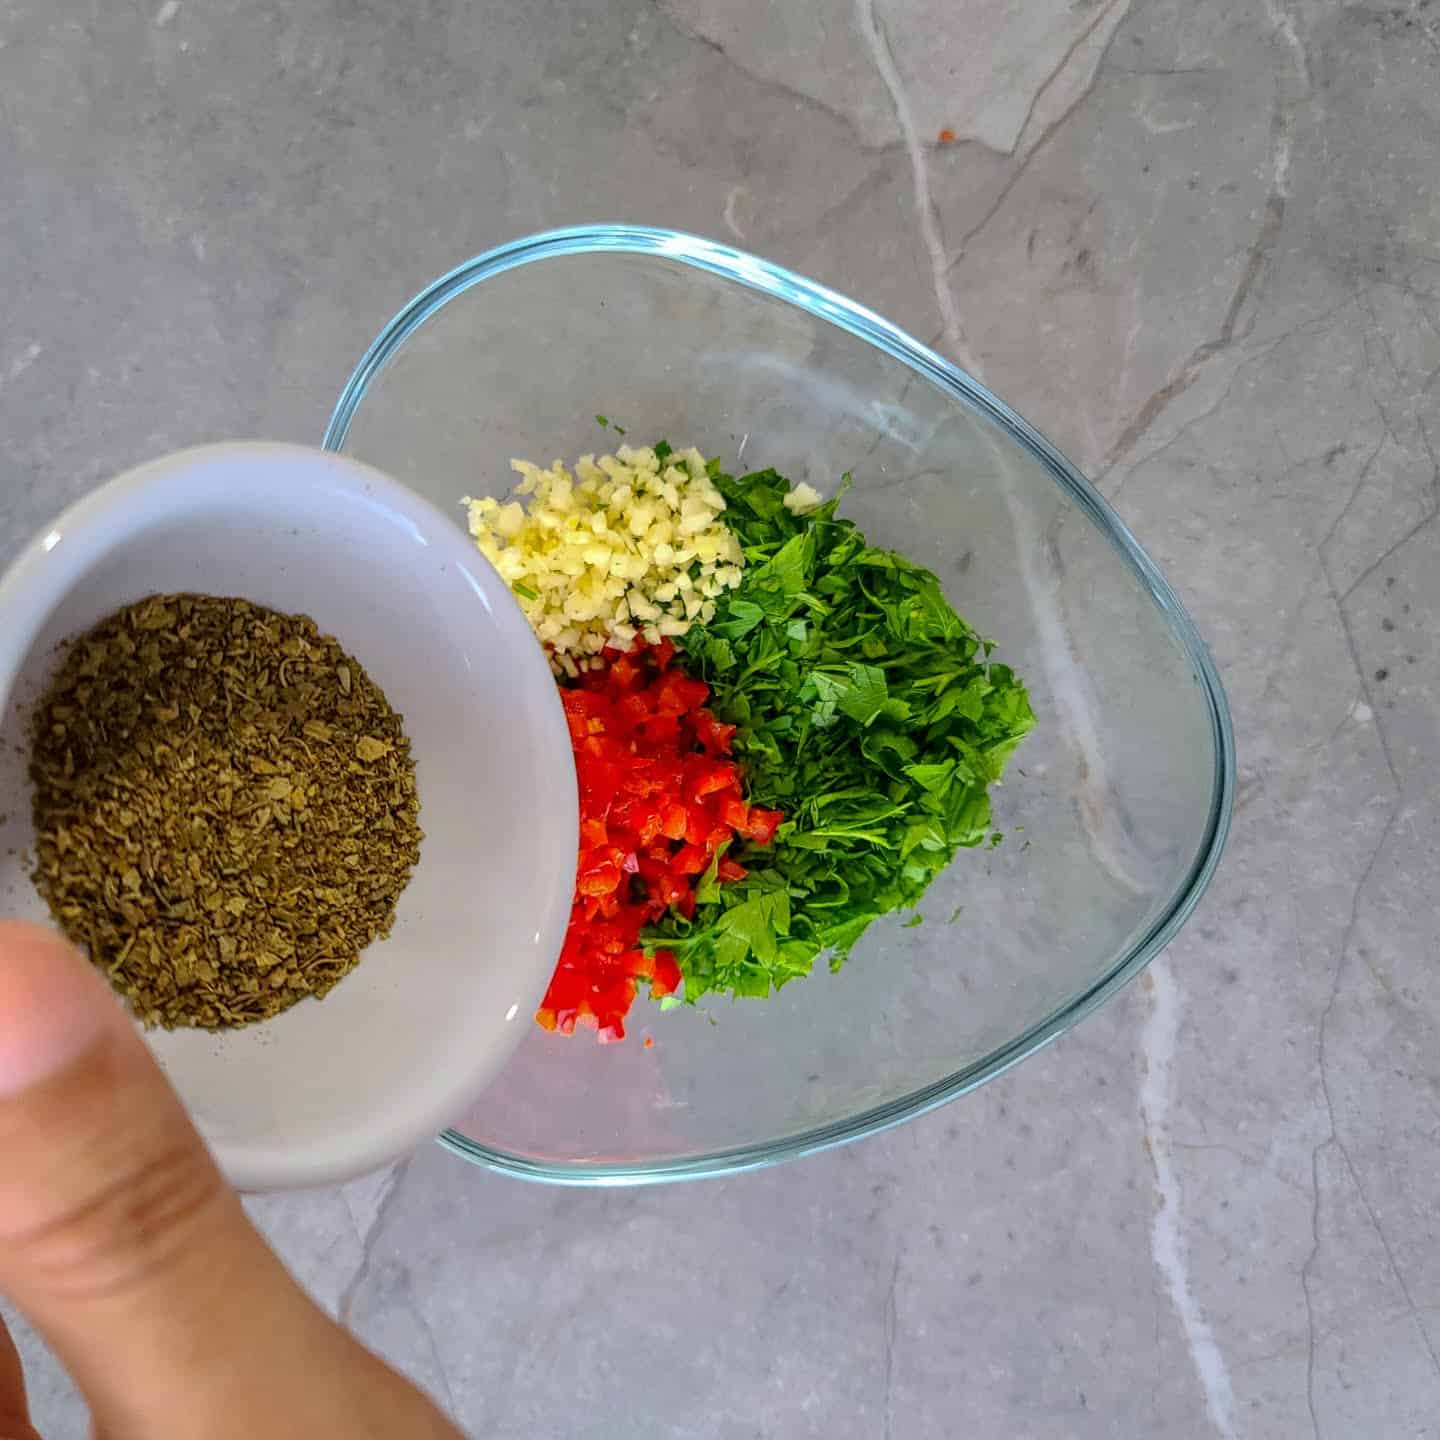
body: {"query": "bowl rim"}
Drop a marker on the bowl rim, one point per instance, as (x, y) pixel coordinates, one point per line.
(828, 305)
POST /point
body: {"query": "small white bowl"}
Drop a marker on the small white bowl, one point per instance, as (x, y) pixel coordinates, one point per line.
(333, 1088)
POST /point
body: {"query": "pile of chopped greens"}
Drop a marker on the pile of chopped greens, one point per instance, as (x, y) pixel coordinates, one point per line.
(867, 710)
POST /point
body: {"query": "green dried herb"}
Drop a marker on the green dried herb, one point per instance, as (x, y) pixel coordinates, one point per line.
(225, 808)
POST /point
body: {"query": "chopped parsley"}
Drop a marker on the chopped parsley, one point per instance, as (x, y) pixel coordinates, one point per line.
(868, 711)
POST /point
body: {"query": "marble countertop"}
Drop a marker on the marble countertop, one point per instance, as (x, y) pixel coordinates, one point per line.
(1197, 242)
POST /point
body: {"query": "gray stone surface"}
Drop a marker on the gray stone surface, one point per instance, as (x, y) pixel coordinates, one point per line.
(1197, 242)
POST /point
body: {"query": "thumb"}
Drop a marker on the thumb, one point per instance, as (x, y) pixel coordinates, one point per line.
(117, 1234)
(126, 1249)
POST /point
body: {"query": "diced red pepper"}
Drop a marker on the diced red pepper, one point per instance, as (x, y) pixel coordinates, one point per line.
(708, 779)
(661, 729)
(676, 695)
(690, 860)
(675, 823)
(624, 672)
(715, 737)
(598, 880)
(736, 814)
(658, 800)
(666, 980)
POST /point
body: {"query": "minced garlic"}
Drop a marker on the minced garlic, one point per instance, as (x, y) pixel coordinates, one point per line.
(629, 545)
(802, 499)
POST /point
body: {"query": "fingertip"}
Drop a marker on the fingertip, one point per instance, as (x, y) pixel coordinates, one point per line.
(53, 1006)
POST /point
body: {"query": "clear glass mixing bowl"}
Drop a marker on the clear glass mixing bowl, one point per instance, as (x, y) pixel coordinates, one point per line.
(1115, 808)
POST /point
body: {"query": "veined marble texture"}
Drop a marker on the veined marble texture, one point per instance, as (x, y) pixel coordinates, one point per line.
(1198, 243)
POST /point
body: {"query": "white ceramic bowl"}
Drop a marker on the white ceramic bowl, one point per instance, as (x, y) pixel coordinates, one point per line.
(332, 1088)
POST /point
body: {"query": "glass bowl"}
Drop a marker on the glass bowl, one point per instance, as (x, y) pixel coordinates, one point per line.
(1115, 809)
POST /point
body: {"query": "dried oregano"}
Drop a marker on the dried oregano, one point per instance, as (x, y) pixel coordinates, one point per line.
(225, 808)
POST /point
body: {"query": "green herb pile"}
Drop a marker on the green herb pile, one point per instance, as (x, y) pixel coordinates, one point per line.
(868, 711)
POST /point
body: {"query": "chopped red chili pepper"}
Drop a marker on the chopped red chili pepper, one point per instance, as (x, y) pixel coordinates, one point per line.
(658, 802)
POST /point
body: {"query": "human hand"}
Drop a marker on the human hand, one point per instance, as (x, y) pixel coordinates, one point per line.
(125, 1248)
